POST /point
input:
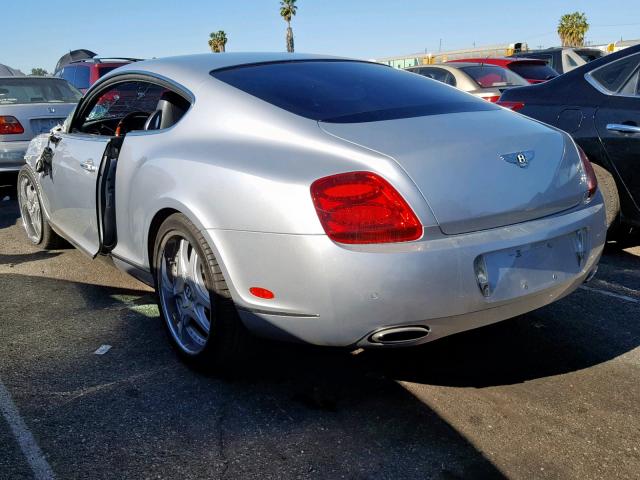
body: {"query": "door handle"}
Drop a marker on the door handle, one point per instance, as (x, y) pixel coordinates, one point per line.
(619, 127)
(88, 166)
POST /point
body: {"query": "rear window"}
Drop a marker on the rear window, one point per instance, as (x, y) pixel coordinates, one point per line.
(533, 71)
(14, 91)
(102, 71)
(488, 76)
(589, 55)
(347, 91)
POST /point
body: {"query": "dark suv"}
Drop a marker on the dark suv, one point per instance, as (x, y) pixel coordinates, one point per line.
(563, 59)
(82, 68)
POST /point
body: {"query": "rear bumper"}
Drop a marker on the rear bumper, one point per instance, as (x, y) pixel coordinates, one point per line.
(12, 155)
(326, 294)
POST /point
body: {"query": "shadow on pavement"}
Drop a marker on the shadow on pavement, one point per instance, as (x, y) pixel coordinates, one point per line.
(302, 411)
(137, 411)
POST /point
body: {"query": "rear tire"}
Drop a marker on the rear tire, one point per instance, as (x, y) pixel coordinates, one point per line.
(36, 226)
(609, 190)
(198, 313)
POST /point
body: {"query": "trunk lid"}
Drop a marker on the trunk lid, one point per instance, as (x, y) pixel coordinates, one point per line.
(465, 164)
(35, 118)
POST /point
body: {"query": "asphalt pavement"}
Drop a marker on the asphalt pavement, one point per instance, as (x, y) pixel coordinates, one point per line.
(552, 394)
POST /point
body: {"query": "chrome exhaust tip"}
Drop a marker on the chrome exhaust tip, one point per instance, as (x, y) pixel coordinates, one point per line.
(399, 335)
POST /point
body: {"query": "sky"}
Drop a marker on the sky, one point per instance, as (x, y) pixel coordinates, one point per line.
(35, 33)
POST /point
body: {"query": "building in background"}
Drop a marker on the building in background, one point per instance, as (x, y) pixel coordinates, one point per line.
(406, 61)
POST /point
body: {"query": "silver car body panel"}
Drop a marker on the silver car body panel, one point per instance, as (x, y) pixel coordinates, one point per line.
(240, 169)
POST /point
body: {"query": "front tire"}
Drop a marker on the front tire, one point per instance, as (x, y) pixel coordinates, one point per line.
(36, 226)
(199, 315)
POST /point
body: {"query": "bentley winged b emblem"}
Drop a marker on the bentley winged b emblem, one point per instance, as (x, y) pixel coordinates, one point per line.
(521, 159)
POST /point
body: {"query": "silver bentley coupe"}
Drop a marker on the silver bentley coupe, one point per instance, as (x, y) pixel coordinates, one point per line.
(314, 199)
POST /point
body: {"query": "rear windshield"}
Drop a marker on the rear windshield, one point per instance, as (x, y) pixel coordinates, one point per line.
(589, 55)
(492, 76)
(23, 90)
(534, 71)
(104, 70)
(347, 91)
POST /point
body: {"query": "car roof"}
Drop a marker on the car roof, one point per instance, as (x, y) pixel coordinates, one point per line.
(191, 70)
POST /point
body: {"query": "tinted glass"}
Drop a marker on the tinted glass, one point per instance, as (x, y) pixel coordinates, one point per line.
(614, 76)
(533, 71)
(68, 73)
(347, 91)
(492, 76)
(589, 55)
(82, 77)
(15, 91)
(437, 74)
(632, 87)
(104, 70)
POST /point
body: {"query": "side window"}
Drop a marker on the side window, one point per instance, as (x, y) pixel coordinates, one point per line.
(134, 101)
(632, 87)
(82, 77)
(615, 75)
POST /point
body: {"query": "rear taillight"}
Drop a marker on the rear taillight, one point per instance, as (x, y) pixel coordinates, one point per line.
(362, 207)
(492, 98)
(10, 125)
(589, 176)
(515, 106)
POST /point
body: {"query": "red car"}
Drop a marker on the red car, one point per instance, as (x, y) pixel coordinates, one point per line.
(82, 68)
(531, 69)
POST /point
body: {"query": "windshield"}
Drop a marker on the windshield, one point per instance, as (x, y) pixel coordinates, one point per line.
(340, 91)
(14, 91)
(488, 76)
(533, 71)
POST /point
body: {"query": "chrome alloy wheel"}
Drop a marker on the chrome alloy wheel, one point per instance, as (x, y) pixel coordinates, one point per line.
(183, 294)
(30, 209)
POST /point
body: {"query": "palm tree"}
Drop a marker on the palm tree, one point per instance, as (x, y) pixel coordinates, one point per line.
(288, 10)
(572, 29)
(217, 41)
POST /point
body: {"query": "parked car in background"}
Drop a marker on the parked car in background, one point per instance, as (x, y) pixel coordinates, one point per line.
(314, 199)
(484, 81)
(532, 70)
(82, 68)
(563, 59)
(7, 71)
(599, 105)
(30, 106)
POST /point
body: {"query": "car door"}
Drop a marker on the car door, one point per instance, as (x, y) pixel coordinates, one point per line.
(618, 118)
(70, 187)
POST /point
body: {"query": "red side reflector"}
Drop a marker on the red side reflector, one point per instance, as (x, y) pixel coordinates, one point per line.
(515, 106)
(10, 125)
(590, 175)
(362, 207)
(261, 293)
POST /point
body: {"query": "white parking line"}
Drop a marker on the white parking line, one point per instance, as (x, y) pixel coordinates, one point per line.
(611, 294)
(28, 445)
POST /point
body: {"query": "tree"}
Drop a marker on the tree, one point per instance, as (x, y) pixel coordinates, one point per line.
(218, 41)
(39, 72)
(572, 29)
(288, 10)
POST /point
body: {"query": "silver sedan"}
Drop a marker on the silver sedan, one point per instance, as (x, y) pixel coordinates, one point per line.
(28, 107)
(314, 199)
(484, 81)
